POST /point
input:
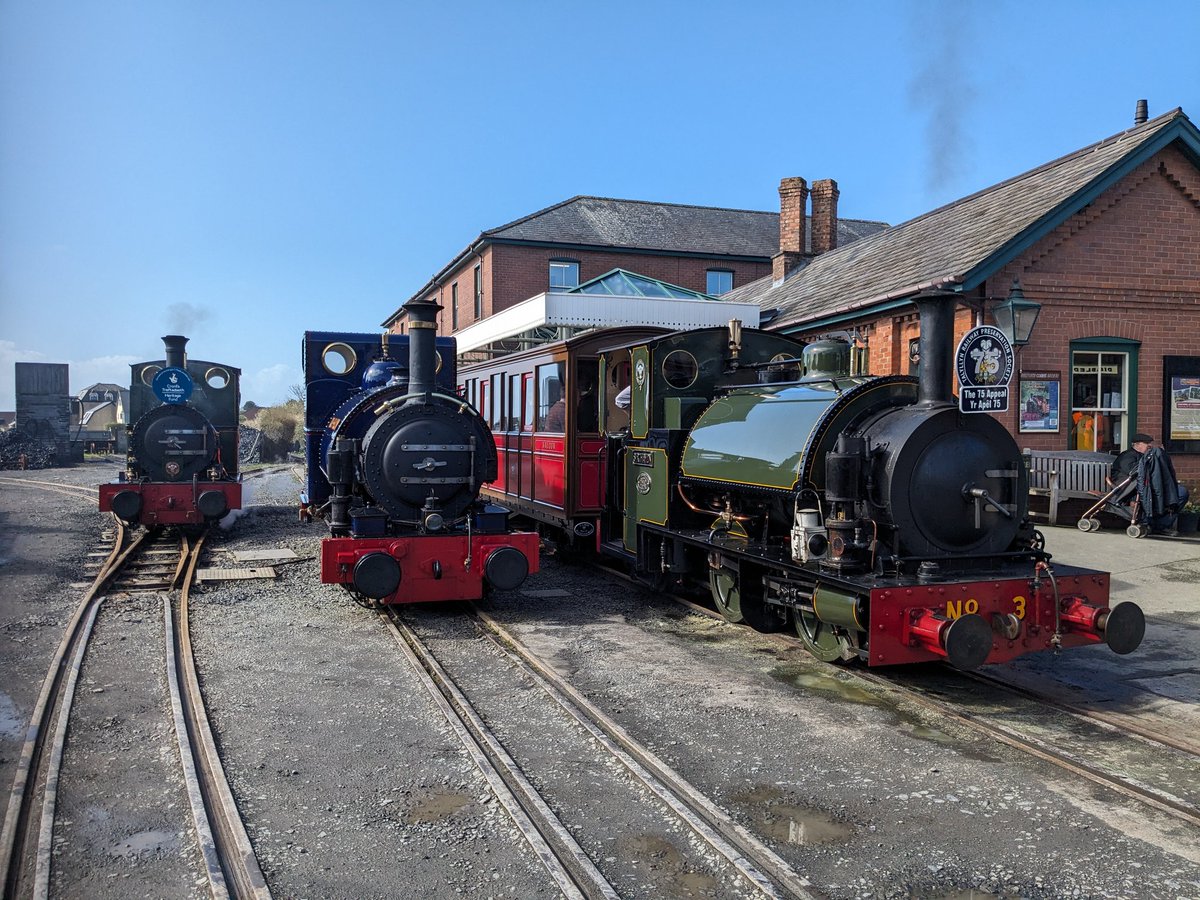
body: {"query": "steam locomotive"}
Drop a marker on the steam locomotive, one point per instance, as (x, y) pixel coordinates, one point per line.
(867, 513)
(396, 461)
(182, 463)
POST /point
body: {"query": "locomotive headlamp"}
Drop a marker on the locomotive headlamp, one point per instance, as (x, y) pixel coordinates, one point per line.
(1015, 315)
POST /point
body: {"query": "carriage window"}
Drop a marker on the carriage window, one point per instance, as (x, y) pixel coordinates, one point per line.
(552, 404)
(527, 409)
(680, 369)
(484, 410)
(1099, 401)
(514, 404)
(616, 396)
(587, 407)
(497, 419)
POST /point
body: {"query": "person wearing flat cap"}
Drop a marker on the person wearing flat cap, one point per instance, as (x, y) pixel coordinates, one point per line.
(1126, 464)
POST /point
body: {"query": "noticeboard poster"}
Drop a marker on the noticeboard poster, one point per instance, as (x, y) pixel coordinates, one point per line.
(1184, 408)
(1039, 399)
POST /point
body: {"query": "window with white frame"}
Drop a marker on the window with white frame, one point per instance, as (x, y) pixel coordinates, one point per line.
(720, 281)
(564, 274)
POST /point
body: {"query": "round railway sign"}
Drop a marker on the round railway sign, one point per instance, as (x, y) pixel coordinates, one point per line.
(172, 385)
(983, 363)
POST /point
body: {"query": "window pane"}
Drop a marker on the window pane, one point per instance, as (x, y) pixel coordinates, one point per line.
(527, 408)
(564, 274)
(719, 282)
(552, 405)
(587, 407)
(514, 404)
(497, 402)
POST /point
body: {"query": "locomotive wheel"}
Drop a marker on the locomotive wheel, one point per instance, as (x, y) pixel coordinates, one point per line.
(726, 594)
(820, 639)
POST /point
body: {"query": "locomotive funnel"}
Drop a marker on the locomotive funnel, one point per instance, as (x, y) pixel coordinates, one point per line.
(936, 348)
(422, 355)
(175, 355)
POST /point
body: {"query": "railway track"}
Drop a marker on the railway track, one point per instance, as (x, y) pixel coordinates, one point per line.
(148, 561)
(67, 490)
(650, 790)
(1174, 759)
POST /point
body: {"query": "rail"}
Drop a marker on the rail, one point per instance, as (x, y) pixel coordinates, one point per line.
(1066, 475)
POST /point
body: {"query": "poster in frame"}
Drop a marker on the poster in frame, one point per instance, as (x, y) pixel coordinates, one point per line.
(1181, 404)
(1039, 409)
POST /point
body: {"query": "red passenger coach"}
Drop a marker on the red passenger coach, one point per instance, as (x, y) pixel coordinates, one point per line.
(543, 409)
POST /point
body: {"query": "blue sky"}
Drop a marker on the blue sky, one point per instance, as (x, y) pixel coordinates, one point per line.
(242, 172)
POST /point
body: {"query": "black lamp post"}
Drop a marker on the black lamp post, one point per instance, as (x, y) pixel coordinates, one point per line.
(1015, 315)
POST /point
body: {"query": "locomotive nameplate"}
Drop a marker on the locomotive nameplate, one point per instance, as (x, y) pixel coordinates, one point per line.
(643, 458)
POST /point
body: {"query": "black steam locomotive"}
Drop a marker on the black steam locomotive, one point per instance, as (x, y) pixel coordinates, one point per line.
(182, 463)
(396, 461)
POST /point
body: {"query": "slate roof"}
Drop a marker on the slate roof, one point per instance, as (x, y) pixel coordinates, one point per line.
(604, 222)
(708, 230)
(960, 244)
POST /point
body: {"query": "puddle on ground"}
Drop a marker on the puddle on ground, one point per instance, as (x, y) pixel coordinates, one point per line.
(436, 807)
(145, 842)
(790, 822)
(11, 723)
(911, 725)
(826, 684)
(664, 859)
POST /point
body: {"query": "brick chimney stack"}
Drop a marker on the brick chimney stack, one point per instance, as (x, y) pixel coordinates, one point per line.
(824, 215)
(793, 201)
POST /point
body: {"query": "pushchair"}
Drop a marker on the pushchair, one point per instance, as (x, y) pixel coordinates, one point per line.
(1149, 498)
(1121, 500)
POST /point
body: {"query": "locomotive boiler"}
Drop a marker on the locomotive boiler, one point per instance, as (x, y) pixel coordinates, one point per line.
(870, 514)
(182, 462)
(396, 461)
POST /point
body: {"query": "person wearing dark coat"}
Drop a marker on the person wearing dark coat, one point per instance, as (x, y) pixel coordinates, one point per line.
(1159, 490)
(1126, 464)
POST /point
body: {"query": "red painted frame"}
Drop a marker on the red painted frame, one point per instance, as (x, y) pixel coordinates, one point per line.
(171, 503)
(417, 555)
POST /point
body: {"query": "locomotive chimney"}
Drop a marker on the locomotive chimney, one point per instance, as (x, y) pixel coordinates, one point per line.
(422, 353)
(176, 357)
(937, 354)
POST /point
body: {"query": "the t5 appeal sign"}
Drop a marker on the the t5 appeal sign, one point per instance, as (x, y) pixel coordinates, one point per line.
(984, 365)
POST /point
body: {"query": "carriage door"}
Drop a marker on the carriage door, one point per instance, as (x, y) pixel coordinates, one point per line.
(513, 434)
(587, 481)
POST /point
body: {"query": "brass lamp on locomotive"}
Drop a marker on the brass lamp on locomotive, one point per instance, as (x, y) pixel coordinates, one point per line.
(870, 514)
(182, 462)
(396, 461)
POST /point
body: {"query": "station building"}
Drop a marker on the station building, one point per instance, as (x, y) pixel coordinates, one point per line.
(535, 260)
(1102, 244)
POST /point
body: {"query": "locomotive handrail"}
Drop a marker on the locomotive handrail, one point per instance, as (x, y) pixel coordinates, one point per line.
(389, 405)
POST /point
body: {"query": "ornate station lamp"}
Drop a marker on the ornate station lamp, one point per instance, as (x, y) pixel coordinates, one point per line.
(1015, 315)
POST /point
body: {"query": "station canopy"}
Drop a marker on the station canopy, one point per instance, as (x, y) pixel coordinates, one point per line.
(614, 299)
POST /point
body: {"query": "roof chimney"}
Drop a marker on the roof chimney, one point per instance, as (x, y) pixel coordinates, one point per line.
(793, 198)
(824, 215)
(1141, 113)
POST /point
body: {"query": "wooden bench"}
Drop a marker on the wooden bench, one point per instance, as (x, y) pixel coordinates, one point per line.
(1067, 475)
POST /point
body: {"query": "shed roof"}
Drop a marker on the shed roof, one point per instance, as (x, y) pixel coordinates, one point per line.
(962, 243)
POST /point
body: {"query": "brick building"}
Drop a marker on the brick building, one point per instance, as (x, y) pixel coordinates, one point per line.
(1106, 239)
(704, 249)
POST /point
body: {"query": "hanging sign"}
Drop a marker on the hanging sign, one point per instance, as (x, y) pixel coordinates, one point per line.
(984, 365)
(172, 385)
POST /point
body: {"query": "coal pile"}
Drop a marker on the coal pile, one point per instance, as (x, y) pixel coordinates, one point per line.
(249, 445)
(38, 454)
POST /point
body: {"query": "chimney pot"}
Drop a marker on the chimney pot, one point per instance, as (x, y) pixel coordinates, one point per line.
(1141, 113)
(824, 215)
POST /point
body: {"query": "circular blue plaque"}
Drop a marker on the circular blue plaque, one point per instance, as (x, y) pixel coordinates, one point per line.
(172, 385)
